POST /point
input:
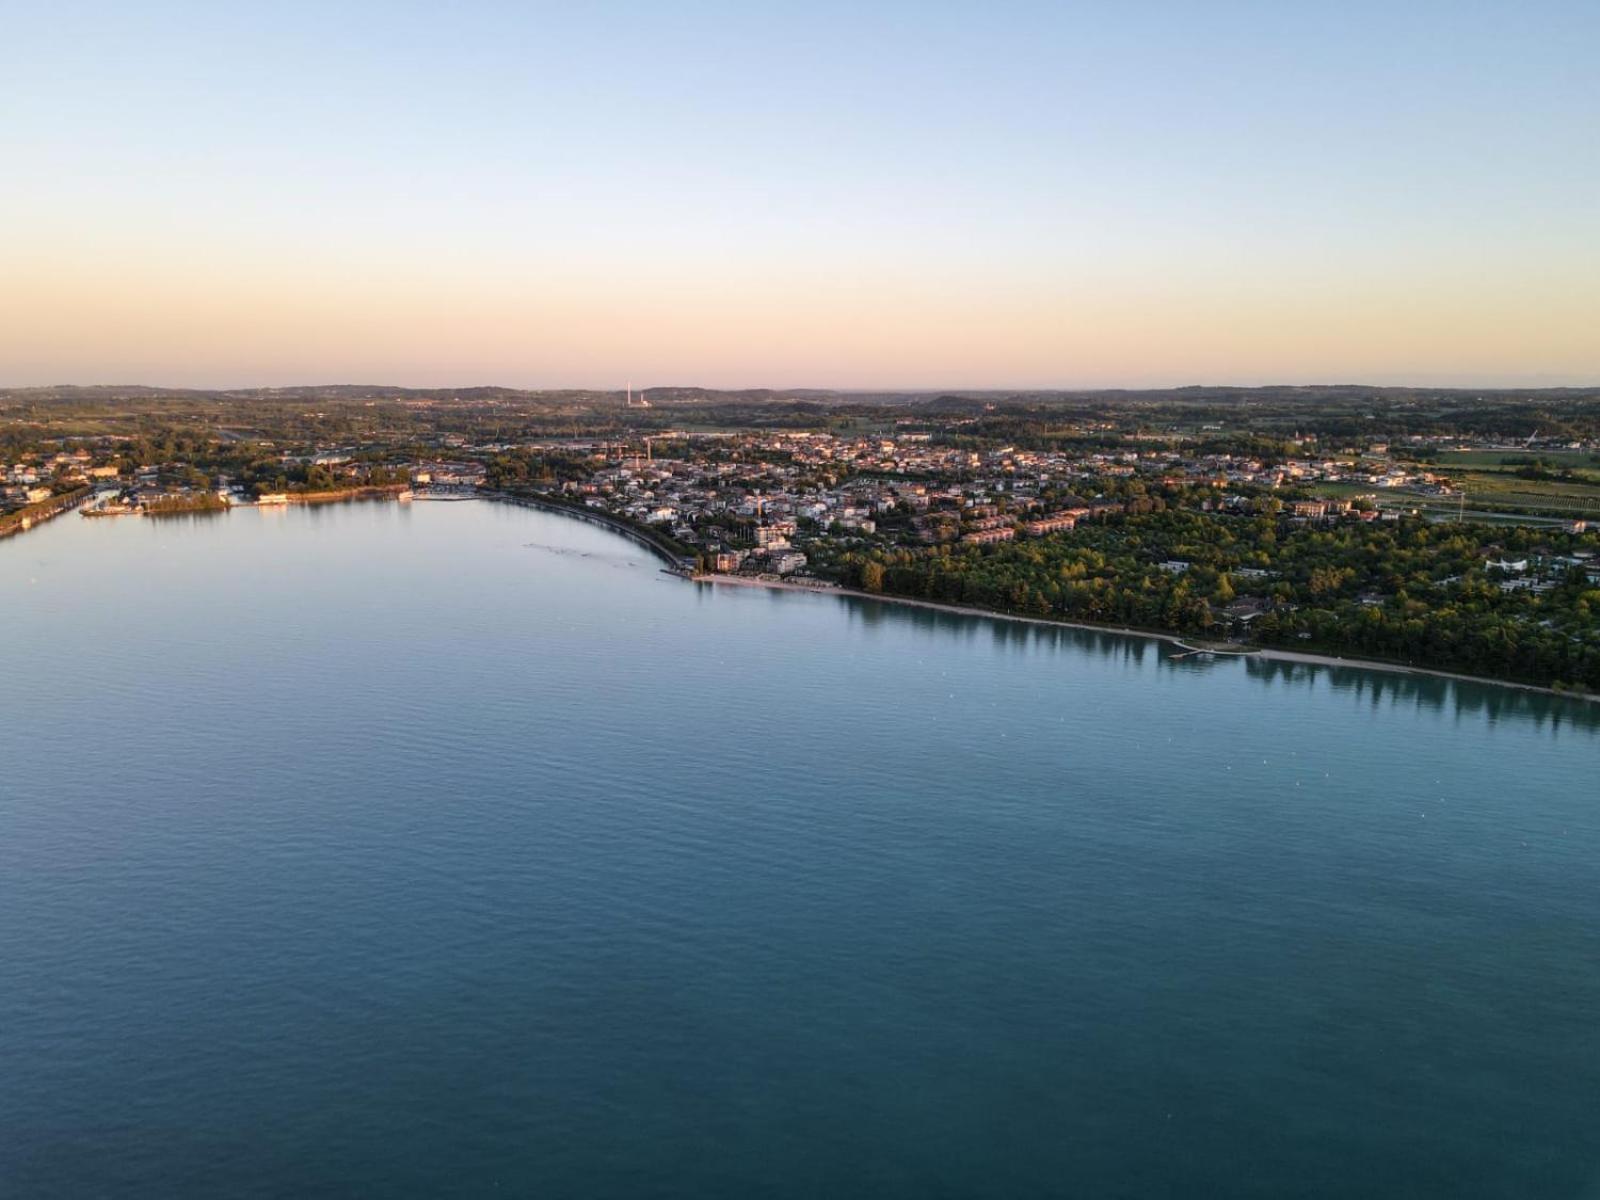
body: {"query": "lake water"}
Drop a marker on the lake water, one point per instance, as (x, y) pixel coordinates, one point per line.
(454, 850)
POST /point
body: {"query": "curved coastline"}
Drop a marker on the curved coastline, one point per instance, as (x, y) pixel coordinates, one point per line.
(605, 520)
(679, 567)
(1263, 653)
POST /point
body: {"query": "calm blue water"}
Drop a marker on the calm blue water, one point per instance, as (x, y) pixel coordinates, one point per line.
(452, 850)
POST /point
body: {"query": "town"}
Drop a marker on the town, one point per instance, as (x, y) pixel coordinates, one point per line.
(1423, 542)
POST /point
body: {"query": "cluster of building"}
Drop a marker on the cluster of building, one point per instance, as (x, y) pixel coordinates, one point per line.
(758, 500)
(1542, 572)
(33, 481)
(751, 501)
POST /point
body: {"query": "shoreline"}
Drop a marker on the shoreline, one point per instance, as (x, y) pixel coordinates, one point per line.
(605, 520)
(1266, 653)
(372, 491)
(32, 516)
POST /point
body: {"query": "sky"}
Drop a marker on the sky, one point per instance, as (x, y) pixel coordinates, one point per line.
(848, 195)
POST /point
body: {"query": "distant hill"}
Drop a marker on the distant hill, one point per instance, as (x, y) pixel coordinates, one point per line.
(932, 402)
(951, 406)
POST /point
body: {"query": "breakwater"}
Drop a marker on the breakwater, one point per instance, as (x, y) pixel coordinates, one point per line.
(36, 514)
(648, 538)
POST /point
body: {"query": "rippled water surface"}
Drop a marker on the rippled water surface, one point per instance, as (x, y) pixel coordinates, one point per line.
(452, 849)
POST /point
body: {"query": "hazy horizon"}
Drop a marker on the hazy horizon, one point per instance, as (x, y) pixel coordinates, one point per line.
(289, 384)
(905, 197)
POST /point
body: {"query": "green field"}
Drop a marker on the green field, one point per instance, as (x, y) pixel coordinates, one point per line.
(1344, 491)
(1497, 458)
(1503, 488)
(1486, 492)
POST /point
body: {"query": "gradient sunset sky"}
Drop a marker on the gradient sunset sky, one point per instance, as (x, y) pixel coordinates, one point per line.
(834, 195)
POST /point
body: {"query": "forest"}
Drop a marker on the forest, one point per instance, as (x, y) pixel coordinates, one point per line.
(1409, 591)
